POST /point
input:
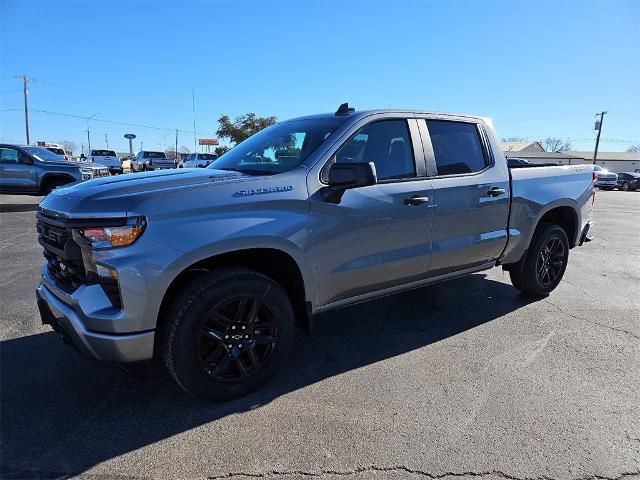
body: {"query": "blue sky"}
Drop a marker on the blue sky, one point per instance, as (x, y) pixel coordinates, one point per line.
(538, 69)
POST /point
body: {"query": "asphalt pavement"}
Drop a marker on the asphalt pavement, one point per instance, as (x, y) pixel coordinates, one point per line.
(461, 379)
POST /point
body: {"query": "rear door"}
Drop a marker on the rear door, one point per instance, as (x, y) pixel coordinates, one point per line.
(375, 237)
(17, 170)
(470, 195)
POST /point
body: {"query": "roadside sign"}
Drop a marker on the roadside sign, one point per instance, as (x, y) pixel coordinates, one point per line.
(129, 136)
(207, 141)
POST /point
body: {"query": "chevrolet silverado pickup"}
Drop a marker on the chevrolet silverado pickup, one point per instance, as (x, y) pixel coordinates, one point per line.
(209, 270)
(37, 171)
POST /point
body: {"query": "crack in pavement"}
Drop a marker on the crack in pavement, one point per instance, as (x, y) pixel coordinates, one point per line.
(561, 310)
(402, 468)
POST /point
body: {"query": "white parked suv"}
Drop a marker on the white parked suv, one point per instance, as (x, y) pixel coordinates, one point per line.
(108, 158)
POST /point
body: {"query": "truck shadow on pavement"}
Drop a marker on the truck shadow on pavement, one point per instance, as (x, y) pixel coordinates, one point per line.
(62, 414)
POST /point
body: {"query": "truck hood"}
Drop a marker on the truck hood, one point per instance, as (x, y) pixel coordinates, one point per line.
(113, 196)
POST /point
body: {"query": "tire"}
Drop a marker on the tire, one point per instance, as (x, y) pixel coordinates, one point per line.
(199, 348)
(538, 273)
(625, 187)
(50, 185)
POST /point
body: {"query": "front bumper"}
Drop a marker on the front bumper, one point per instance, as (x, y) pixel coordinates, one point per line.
(65, 315)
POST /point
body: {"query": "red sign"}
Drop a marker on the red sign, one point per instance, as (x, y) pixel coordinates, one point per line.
(207, 141)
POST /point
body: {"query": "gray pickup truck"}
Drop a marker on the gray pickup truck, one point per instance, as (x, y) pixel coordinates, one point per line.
(209, 270)
(37, 171)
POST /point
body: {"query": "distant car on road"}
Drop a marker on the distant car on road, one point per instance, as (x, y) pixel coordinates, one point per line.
(147, 160)
(628, 181)
(37, 171)
(197, 160)
(606, 180)
(108, 158)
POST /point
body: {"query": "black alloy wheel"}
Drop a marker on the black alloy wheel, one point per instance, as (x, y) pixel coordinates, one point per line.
(550, 262)
(237, 338)
(226, 333)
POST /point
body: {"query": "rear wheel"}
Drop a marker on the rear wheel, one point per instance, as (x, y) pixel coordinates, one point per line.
(625, 186)
(539, 272)
(227, 333)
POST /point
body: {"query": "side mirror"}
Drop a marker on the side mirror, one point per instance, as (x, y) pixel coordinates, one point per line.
(23, 158)
(346, 175)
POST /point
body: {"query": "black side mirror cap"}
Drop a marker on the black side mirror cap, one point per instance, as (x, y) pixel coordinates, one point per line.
(346, 175)
(343, 175)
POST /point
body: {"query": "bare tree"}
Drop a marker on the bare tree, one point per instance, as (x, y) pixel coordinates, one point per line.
(634, 148)
(184, 149)
(170, 152)
(68, 146)
(554, 144)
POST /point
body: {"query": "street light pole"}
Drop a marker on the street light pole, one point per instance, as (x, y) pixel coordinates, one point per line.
(89, 133)
(106, 140)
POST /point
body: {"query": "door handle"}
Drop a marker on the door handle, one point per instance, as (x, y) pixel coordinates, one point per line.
(415, 200)
(495, 191)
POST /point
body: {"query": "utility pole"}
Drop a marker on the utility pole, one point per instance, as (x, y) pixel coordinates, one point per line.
(193, 98)
(177, 144)
(25, 81)
(106, 140)
(599, 128)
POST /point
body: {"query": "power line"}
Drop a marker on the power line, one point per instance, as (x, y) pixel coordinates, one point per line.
(114, 122)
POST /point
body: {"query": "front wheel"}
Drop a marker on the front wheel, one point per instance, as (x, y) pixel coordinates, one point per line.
(539, 272)
(227, 333)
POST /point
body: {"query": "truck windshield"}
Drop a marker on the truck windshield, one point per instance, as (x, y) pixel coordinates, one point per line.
(278, 148)
(42, 154)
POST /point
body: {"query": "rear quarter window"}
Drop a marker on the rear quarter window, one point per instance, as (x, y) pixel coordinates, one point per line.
(457, 147)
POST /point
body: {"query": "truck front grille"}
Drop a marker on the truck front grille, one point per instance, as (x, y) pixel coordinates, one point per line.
(65, 264)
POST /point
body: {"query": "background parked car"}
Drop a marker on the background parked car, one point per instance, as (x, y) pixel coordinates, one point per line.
(108, 158)
(628, 181)
(62, 155)
(606, 180)
(197, 160)
(147, 160)
(126, 165)
(37, 171)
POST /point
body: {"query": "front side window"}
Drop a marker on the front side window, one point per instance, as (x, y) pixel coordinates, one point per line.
(385, 143)
(8, 155)
(278, 148)
(457, 147)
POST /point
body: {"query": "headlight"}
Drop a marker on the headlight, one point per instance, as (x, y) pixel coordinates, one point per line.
(87, 173)
(108, 237)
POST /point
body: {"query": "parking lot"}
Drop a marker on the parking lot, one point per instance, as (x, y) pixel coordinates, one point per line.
(460, 379)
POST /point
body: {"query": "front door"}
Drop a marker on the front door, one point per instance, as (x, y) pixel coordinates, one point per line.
(17, 171)
(376, 236)
(470, 196)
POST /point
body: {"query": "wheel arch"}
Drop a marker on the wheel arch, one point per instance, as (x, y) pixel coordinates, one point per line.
(272, 262)
(49, 177)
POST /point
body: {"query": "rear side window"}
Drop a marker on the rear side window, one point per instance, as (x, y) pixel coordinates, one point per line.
(457, 147)
(57, 151)
(385, 143)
